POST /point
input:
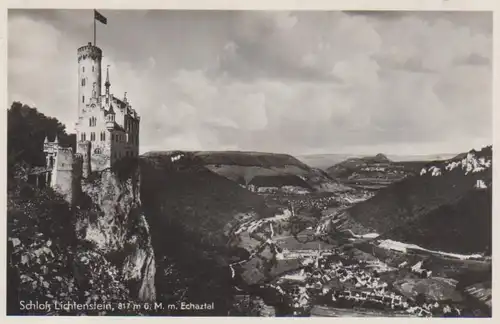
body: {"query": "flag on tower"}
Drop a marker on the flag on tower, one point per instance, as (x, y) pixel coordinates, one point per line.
(99, 17)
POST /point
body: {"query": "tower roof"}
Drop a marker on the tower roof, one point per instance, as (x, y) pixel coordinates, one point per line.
(107, 83)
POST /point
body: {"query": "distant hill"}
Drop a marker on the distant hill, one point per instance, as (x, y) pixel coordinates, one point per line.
(324, 161)
(447, 206)
(372, 172)
(251, 168)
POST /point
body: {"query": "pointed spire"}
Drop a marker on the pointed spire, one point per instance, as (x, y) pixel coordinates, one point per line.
(46, 139)
(107, 83)
(56, 140)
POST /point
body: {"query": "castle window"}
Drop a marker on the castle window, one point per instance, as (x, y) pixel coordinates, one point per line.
(92, 136)
(112, 137)
(83, 68)
(83, 82)
(98, 150)
(103, 136)
(83, 99)
(92, 68)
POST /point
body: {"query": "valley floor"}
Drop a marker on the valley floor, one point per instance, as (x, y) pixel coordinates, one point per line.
(334, 277)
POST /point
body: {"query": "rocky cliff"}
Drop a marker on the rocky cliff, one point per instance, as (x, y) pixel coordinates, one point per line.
(99, 251)
(117, 227)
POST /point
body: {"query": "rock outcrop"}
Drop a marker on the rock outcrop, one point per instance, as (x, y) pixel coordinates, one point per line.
(118, 228)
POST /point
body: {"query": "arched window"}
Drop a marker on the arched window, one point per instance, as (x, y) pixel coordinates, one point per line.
(92, 68)
(92, 136)
(83, 99)
(83, 82)
(83, 68)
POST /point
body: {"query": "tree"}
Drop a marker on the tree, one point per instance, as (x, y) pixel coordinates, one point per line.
(420, 299)
(26, 131)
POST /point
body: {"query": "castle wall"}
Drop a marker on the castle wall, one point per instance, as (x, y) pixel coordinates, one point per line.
(62, 173)
(100, 147)
(76, 174)
(120, 146)
(83, 149)
(128, 140)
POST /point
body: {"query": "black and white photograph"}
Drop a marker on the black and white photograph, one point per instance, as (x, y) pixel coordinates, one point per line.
(255, 163)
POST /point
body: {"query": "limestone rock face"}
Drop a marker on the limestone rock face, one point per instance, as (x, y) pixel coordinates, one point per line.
(118, 228)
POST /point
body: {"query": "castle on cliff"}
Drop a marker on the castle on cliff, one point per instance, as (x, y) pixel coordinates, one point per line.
(107, 130)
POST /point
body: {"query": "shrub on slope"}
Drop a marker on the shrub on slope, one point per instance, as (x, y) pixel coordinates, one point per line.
(462, 226)
(46, 263)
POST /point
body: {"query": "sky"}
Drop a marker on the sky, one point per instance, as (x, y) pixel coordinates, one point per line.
(298, 82)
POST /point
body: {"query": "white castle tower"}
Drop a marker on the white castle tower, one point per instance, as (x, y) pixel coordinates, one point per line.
(107, 128)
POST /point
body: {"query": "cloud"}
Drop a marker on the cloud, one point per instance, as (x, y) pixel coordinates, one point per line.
(296, 82)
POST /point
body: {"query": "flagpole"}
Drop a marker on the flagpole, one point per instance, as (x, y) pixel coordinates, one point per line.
(94, 30)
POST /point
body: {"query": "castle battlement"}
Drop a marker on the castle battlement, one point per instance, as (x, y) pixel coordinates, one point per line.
(65, 149)
(89, 51)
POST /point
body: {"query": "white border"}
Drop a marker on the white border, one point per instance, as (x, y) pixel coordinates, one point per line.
(418, 5)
